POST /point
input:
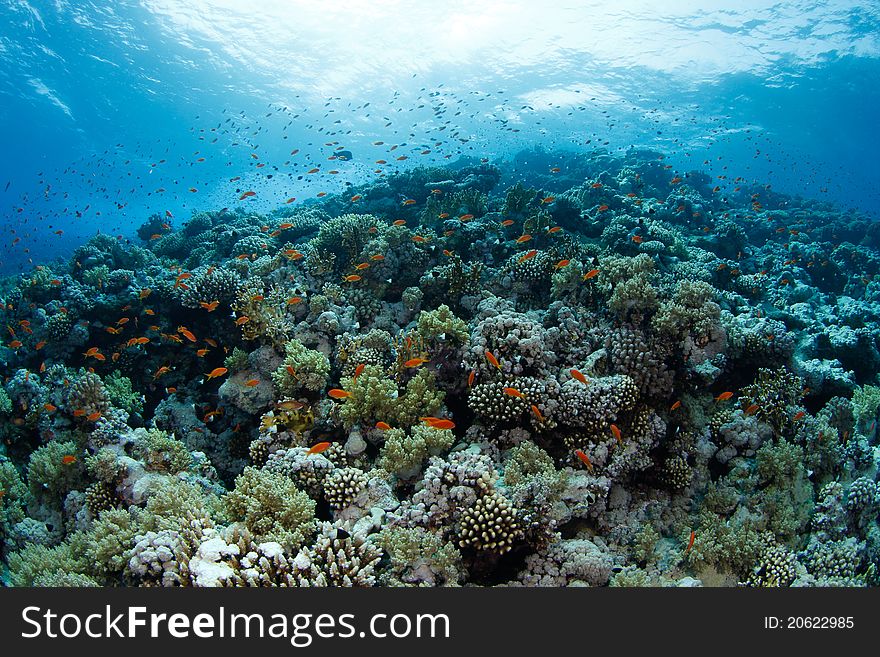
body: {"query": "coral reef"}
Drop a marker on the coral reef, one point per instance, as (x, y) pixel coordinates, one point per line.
(566, 382)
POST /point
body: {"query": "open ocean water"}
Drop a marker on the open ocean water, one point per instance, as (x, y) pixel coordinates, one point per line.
(500, 293)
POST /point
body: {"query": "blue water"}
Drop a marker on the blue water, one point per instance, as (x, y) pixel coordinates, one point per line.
(104, 103)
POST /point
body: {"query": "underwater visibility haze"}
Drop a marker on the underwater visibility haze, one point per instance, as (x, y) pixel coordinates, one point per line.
(400, 293)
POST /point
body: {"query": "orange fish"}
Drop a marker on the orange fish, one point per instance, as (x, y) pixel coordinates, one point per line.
(798, 416)
(603, 208)
(40, 345)
(317, 448)
(291, 371)
(143, 294)
(358, 370)
(616, 433)
(637, 239)
(523, 238)
(724, 396)
(244, 319)
(513, 392)
(361, 266)
(419, 239)
(352, 278)
(415, 362)
(577, 374)
(410, 201)
(216, 372)
(507, 222)
(554, 229)
(675, 406)
(185, 332)
(537, 413)
(292, 301)
(50, 408)
(751, 409)
(336, 393)
(561, 264)
(528, 255)
(356, 197)
(492, 360)
(466, 217)
(252, 383)
(210, 307)
(471, 377)
(15, 344)
(442, 424)
(591, 274)
(377, 257)
(399, 222)
(68, 459)
(547, 199)
(584, 459)
(384, 426)
(690, 542)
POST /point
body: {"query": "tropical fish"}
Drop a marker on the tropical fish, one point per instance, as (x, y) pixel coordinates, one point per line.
(528, 255)
(216, 372)
(513, 392)
(523, 238)
(615, 431)
(492, 360)
(336, 393)
(384, 426)
(591, 274)
(724, 396)
(415, 362)
(577, 374)
(537, 413)
(584, 459)
(317, 448)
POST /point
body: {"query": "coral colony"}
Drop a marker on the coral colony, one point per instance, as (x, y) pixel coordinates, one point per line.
(615, 377)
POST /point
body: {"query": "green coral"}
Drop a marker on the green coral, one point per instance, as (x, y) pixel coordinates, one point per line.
(97, 276)
(866, 406)
(730, 545)
(774, 392)
(344, 237)
(40, 563)
(404, 455)
(418, 557)
(106, 544)
(372, 396)
(786, 495)
(14, 497)
(50, 479)
(442, 324)
(121, 394)
(527, 461)
(422, 398)
(5, 402)
(162, 452)
(236, 361)
(271, 507)
(691, 311)
(311, 369)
